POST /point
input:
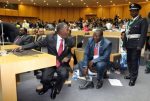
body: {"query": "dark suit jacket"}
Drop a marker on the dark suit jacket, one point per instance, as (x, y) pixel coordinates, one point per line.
(23, 40)
(50, 42)
(140, 27)
(104, 51)
(10, 31)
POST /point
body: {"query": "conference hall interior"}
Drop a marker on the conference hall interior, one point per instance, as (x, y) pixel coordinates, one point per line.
(74, 50)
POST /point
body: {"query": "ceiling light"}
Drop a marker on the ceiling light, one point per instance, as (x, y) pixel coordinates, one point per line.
(57, 1)
(34, 3)
(18, 0)
(47, 4)
(72, 4)
(129, 2)
(97, 2)
(110, 1)
(7, 2)
(68, 0)
(44, 1)
(59, 4)
(31, 0)
(81, 0)
(84, 3)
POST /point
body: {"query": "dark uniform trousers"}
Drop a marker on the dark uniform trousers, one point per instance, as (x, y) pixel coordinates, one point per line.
(135, 39)
(133, 59)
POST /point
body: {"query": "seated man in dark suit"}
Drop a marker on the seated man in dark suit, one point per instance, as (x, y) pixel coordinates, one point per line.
(60, 45)
(23, 38)
(96, 57)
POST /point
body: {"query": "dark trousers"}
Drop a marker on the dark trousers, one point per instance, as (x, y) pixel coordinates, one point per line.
(133, 60)
(48, 76)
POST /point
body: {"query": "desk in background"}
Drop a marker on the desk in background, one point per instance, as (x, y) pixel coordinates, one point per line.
(114, 37)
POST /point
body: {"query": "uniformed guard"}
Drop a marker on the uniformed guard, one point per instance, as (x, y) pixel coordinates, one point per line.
(135, 36)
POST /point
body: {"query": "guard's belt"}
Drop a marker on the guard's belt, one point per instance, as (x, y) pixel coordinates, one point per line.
(132, 36)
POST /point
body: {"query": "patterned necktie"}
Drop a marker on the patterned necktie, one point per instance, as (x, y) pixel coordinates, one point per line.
(60, 50)
(96, 49)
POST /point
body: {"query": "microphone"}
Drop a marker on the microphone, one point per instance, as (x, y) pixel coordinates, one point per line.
(2, 51)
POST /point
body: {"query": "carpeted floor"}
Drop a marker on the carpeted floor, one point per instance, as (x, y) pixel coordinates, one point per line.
(140, 92)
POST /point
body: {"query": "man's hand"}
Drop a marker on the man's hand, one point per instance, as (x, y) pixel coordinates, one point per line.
(85, 71)
(17, 49)
(66, 59)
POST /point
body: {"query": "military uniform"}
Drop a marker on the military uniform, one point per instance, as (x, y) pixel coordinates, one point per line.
(135, 36)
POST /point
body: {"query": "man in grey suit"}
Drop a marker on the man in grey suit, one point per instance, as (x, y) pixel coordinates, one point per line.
(96, 57)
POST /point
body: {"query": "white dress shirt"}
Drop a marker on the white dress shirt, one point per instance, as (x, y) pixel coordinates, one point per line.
(96, 56)
(59, 41)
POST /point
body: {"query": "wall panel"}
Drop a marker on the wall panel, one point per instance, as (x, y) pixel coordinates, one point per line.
(76, 13)
(119, 11)
(105, 12)
(71, 14)
(64, 13)
(58, 14)
(99, 12)
(126, 12)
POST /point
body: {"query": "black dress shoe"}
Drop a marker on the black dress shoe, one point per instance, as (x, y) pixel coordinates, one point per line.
(127, 77)
(132, 83)
(54, 92)
(105, 75)
(41, 91)
(99, 84)
(88, 84)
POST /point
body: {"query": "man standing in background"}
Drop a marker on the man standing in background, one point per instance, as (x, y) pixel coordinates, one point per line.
(135, 36)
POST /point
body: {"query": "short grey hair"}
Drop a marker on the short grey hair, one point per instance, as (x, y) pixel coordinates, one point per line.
(60, 26)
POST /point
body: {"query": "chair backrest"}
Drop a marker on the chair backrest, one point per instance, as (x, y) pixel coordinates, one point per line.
(79, 40)
(115, 44)
(79, 53)
(85, 40)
